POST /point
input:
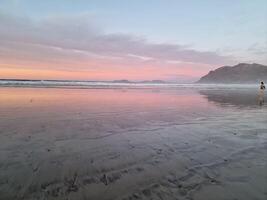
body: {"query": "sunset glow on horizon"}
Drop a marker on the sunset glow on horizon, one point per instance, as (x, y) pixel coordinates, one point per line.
(100, 40)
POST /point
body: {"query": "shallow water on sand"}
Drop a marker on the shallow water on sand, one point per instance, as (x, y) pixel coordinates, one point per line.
(156, 143)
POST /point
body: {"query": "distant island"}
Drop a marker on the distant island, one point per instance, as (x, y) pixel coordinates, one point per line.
(86, 81)
(241, 73)
(21, 82)
(146, 81)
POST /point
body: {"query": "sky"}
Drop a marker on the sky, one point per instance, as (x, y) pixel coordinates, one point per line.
(172, 40)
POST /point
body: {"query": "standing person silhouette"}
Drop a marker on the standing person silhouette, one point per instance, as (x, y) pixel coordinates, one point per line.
(262, 87)
(261, 93)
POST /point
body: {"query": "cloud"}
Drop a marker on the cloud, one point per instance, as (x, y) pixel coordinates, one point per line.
(76, 42)
(258, 49)
(79, 33)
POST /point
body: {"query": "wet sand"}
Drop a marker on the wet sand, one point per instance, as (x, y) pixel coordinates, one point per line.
(123, 144)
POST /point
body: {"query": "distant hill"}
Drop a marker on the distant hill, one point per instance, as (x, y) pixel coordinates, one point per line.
(84, 81)
(154, 81)
(121, 81)
(146, 81)
(241, 73)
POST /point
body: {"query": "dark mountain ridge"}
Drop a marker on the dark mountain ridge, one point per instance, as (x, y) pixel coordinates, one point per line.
(241, 73)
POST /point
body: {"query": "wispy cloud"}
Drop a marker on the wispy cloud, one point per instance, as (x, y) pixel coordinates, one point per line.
(76, 43)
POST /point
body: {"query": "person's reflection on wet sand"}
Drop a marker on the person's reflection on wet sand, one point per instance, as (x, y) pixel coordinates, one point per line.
(231, 97)
(261, 94)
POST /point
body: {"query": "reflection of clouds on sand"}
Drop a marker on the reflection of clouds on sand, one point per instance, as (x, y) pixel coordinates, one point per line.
(238, 98)
(130, 144)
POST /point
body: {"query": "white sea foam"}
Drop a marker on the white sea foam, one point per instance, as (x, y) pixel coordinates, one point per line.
(97, 84)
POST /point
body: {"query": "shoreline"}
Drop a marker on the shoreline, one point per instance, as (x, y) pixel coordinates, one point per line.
(101, 85)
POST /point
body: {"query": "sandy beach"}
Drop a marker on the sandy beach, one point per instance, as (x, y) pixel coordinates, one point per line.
(125, 144)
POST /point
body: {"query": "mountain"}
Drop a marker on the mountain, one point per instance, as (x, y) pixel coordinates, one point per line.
(241, 73)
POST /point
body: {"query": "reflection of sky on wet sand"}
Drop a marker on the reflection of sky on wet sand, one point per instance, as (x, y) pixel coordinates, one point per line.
(96, 101)
(48, 135)
(108, 110)
(145, 104)
(237, 98)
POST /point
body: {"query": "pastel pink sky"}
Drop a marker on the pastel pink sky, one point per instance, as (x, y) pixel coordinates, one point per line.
(74, 45)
